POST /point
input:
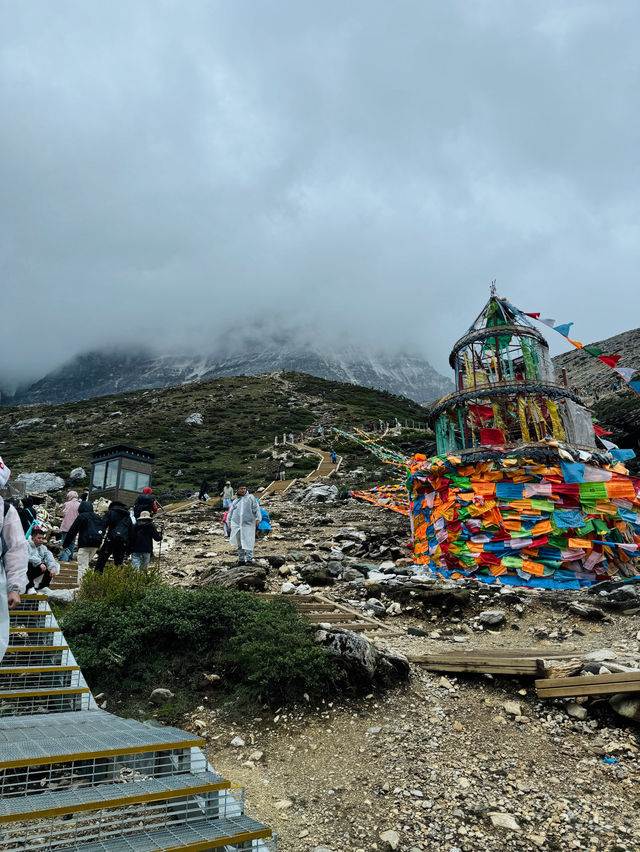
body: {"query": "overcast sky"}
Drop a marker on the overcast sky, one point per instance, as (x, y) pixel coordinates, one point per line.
(169, 168)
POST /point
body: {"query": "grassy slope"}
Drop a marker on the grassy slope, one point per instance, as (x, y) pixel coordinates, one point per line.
(241, 416)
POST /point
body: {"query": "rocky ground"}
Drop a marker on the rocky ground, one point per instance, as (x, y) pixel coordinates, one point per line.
(441, 763)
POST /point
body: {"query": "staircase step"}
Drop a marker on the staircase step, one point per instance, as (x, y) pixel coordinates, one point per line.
(197, 836)
(34, 655)
(37, 677)
(85, 736)
(17, 701)
(37, 635)
(52, 803)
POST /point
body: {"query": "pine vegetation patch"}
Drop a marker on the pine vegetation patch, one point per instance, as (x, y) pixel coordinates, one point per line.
(130, 640)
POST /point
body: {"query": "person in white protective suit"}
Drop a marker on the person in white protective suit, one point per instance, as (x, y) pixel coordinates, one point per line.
(13, 568)
(243, 519)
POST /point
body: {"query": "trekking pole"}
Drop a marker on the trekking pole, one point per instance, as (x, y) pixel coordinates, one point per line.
(159, 549)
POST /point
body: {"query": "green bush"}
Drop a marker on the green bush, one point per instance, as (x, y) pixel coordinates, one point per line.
(118, 584)
(261, 647)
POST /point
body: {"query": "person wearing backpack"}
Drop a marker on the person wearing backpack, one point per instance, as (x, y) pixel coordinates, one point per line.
(13, 567)
(116, 543)
(27, 515)
(142, 535)
(90, 531)
(145, 503)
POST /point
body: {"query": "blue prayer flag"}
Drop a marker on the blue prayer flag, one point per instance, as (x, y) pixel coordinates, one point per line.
(572, 471)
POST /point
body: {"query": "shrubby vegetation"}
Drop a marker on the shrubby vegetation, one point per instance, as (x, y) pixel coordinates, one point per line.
(130, 634)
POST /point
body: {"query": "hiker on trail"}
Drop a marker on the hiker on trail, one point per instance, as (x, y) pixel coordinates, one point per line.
(264, 527)
(243, 519)
(145, 503)
(42, 566)
(13, 567)
(69, 514)
(291, 441)
(227, 495)
(204, 488)
(334, 457)
(141, 537)
(282, 471)
(90, 531)
(118, 525)
(27, 515)
(320, 431)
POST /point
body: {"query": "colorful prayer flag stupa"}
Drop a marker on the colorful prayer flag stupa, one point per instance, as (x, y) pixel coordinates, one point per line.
(518, 492)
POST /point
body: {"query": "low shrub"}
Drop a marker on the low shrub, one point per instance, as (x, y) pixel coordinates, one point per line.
(118, 585)
(260, 647)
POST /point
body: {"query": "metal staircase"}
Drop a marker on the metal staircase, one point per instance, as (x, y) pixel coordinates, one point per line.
(74, 778)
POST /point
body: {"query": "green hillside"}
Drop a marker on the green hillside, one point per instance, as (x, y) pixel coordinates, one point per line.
(241, 417)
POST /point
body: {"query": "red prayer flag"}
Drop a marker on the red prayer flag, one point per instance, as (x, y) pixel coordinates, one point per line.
(490, 437)
(481, 412)
(535, 316)
(600, 431)
(609, 360)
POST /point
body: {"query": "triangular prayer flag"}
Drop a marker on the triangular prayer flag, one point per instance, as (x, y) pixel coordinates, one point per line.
(626, 372)
(5, 473)
(564, 328)
(600, 431)
(575, 343)
(609, 360)
(608, 444)
(593, 350)
(635, 386)
(550, 322)
(535, 316)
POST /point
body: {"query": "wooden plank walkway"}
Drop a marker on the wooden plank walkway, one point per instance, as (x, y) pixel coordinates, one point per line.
(507, 661)
(321, 610)
(607, 684)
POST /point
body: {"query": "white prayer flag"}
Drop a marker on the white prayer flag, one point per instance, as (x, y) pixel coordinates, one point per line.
(5, 473)
(550, 322)
(626, 372)
(608, 444)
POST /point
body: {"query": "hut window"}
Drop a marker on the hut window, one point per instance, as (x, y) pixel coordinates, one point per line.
(132, 480)
(97, 477)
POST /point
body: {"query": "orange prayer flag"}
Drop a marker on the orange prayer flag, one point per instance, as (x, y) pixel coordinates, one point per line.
(484, 489)
(620, 489)
(496, 570)
(581, 542)
(541, 528)
(535, 568)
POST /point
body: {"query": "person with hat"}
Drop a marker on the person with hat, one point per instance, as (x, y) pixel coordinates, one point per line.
(227, 495)
(243, 519)
(145, 503)
(143, 534)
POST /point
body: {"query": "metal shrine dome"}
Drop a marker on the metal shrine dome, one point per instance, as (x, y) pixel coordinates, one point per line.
(506, 393)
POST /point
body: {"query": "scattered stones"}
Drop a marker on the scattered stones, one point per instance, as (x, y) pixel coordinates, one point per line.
(627, 706)
(513, 708)
(318, 494)
(77, 474)
(576, 711)
(237, 742)
(160, 695)
(283, 805)
(391, 838)
(195, 419)
(492, 617)
(502, 820)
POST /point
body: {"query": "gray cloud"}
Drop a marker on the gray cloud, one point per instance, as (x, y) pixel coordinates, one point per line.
(172, 169)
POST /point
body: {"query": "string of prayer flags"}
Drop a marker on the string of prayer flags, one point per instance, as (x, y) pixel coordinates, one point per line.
(610, 360)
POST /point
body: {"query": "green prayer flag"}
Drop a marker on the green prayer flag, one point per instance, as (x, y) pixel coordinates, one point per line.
(512, 561)
(542, 505)
(592, 491)
(593, 350)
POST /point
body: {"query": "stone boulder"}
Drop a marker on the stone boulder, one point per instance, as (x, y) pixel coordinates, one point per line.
(195, 419)
(316, 574)
(36, 483)
(78, 474)
(363, 664)
(242, 577)
(627, 706)
(318, 494)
